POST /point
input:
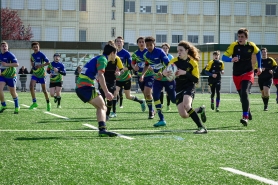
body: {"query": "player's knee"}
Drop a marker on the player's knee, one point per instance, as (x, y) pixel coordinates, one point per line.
(44, 91)
(187, 107)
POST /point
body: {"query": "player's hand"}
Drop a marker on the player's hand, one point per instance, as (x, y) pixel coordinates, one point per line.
(150, 68)
(56, 70)
(109, 96)
(125, 69)
(263, 69)
(141, 79)
(270, 71)
(117, 73)
(259, 71)
(4, 64)
(235, 59)
(167, 73)
(214, 75)
(38, 66)
(180, 72)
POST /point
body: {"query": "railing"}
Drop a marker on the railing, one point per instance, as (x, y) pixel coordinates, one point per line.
(227, 84)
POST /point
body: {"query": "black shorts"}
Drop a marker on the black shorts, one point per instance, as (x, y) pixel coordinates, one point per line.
(125, 84)
(87, 93)
(264, 82)
(110, 86)
(56, 84)
(190, 91)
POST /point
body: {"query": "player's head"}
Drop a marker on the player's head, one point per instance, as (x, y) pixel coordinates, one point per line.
(56, 57)
(216, 55)
(141, 43)
(186, 48)
(264, 52)
(35, 46)
(119, 42)
(165, 47)
(150, 43)
(110, 50)
(242, 36)
(4, 47)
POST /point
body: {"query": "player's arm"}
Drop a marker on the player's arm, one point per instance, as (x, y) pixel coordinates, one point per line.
(48, 70)
(258, 53)
(229, 52)
(120, 66)
(168, 73)
(13, 62)
(208, 68)
(129, 60)
(134, 62)
(62, 70)
(222, 68)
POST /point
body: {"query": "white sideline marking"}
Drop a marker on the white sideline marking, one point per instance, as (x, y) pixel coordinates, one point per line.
(123, 130)
(48, 130)
(252, 176)
(10, 101)
(27, 106)
(119, 135)
(56, 115)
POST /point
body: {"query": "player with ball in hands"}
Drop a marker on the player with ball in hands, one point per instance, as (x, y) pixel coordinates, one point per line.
(187, 75)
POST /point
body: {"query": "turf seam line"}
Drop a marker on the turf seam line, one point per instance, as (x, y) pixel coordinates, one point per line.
(119, 135)
(252, 176)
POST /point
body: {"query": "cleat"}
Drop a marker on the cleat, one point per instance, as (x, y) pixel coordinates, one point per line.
(143, 106)
(59, 106)
(2, 108)
(105, 133)
(201, 130)
(151, 115)
(34, 105)
(55, 100)
(107, 118)
(168, 108)
(244, 121)
(16, 110)
(217, 109)
(265, 108)
(212, 106)
(112, 115)
(203, 113)
(121, 107)
(48, 107)
(250, 115)
(160, 124)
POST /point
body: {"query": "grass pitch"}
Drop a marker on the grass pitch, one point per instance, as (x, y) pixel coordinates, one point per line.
(38, 148)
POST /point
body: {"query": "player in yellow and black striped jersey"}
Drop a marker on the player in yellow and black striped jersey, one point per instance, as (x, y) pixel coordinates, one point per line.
(268, 65)
(187, 77)
(214, 70)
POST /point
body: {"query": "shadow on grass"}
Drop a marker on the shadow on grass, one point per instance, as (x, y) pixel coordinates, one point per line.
(228, 127)
(58, 138)
(275, 168)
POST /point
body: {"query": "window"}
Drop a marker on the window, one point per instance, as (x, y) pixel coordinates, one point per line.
(270, 9)
(113, 15)
(209, 8)
(208, 39)
(130, 36)
(36, 33)
(225, 8)
(4, 3)
(178, 7)
(68, 34)
(193, 38)
(51, 34)
(225, 38)
(129, 6)
(255, 9)
(17, 4)
(34, 5)
(145, 9)
(161, 38)
(240, 8)
(270, 39)
(68, 4)
(255, 37)
(113, 32)
(82, 5)
(113, 3)
(193, 8)
(51, 5)
(176, 38)
(145, 33)
(82, 35)
(161, 8)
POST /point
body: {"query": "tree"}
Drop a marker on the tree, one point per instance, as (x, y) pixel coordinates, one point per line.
(12, 27)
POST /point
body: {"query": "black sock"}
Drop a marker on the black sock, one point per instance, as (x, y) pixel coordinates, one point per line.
(134, 98)
(266, 98)
(101, 126)
(121, 101)
(194, 116)
(161, 97)
(168, 100)
(109, 106)
(59, 100)
(47, 101)
(55, 97)
(114, 105)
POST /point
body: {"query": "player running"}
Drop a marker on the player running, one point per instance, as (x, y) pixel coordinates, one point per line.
(56, 70)
(38, 62)
(8, 63)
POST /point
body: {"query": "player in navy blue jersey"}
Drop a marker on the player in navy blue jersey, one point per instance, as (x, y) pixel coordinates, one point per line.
(187, 77)
(266, 77)
(124, 80)
(8, 63)
(56, 69)
(155, 62)
(86, 91)
(38, 62)
(138, 63)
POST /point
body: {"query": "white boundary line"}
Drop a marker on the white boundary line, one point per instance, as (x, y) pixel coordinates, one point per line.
(119, 135)
(252, 176)
(123, 130)
(48, 130)
(56, 115)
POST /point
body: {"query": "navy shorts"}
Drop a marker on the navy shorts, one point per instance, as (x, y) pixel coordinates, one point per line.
(87, 93)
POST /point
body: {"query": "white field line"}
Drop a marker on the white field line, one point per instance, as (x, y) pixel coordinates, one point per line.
(47, 130)
(119, 135)
(252, 176)
(56, 115)
(123, 130)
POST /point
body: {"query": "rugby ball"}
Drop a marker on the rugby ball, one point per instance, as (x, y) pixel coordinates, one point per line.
(174, 69)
